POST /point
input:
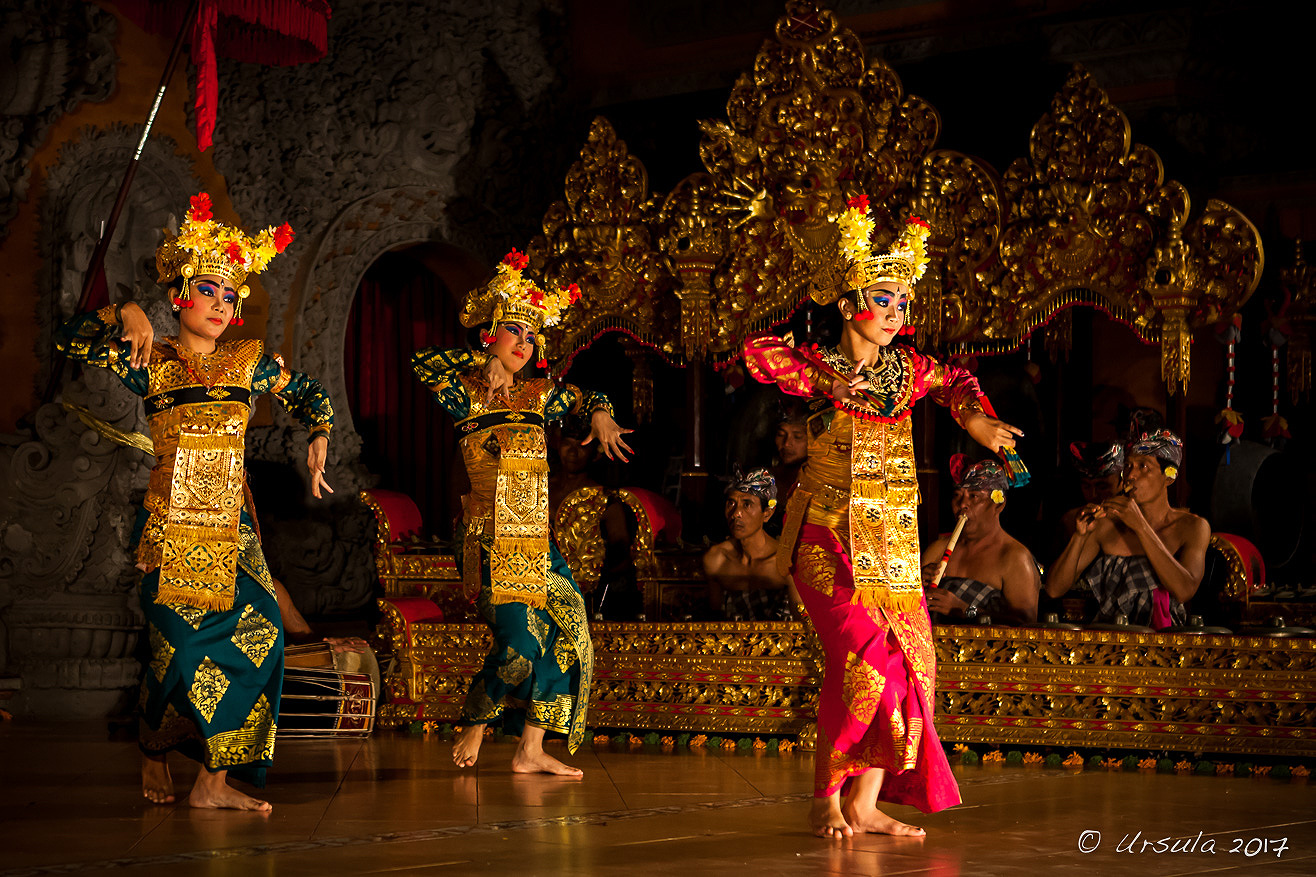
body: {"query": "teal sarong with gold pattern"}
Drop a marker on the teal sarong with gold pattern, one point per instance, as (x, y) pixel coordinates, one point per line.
(211, 691)
(540, 666)
(542, 660)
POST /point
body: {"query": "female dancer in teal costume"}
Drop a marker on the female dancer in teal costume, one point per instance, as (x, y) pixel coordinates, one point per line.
(212, 688)
(542, 659)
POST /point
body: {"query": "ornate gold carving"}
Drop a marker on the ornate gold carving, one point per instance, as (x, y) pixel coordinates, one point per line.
(404, 572)
(695, 240)
(579, 537)
(600, 238)
(1092, 219)
(996, 685)
(812, 125)
(1235, 587)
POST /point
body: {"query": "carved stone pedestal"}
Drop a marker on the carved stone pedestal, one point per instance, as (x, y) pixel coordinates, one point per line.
(75, 655)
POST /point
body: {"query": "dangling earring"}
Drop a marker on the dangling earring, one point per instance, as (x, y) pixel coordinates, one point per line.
(486, 337)
(184, 297)
(237, 314)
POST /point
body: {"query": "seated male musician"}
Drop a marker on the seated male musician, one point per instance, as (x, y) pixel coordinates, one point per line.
(743, 582)
(1100, 467)
(989, 572)
(1141, 558)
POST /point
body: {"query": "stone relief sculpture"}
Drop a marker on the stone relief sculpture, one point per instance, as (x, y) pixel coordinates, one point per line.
(68, 501)
(60, 55)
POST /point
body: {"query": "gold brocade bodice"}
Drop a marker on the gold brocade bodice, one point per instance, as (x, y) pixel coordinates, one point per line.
(197, 406)
(490, 430)
(506, 460)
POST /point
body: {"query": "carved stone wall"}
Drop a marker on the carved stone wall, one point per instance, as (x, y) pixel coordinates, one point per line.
(58, 54)
(68, 499)
(427, 122)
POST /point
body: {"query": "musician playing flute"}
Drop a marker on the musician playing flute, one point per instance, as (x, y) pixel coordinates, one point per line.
(211, 691)
(989, 571)
(850, 537)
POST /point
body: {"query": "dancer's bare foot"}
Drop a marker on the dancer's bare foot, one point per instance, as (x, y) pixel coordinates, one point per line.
(530, 756)
(212, 792)
(466, 748)
(870, 820)
(826, 819)
(541, 762)
(157, 785)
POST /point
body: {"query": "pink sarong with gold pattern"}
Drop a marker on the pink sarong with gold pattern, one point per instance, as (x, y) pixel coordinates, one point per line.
(875, 708)
(850, 539)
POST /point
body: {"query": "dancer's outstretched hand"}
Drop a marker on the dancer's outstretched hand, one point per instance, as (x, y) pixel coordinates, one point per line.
(316, 455)
(609, 435)
(137, 331)
(991, 433)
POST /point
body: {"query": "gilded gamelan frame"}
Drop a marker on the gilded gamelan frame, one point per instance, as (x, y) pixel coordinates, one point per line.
(995, 685)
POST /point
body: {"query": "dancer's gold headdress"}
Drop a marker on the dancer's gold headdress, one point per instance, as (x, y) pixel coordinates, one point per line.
(511, 297)
(904, 262)
(205, 246)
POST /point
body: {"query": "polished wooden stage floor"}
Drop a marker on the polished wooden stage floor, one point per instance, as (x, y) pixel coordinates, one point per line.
(395, 805)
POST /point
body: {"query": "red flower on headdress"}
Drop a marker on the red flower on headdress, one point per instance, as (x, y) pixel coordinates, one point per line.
(282, 237)
(200, 211)
(234, 252)
(573, 294)
(517, 261)
(914, 220)
(859, 202)
(537, 297)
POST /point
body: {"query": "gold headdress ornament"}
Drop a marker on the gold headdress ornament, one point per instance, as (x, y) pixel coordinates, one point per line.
(511, 297)
(204, 246)
(904, 262)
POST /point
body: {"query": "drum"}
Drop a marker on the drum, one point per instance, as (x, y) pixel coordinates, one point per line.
(320, 701)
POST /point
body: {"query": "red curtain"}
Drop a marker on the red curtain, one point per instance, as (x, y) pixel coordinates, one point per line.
(408, 440)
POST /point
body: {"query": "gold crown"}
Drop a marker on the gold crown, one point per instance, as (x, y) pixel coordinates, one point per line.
(511, 297)
(205, 246)
(905, 262)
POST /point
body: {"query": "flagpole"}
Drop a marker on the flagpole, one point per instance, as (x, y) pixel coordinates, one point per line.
(103, 245)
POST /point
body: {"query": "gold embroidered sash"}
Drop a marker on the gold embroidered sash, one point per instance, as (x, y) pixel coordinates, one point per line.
(201, 544)
(884, 516)
(518, 561)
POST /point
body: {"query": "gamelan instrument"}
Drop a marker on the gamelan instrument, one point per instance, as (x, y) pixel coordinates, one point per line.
(320, 700)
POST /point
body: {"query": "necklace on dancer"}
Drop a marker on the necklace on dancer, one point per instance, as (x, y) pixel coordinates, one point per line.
(184, 354)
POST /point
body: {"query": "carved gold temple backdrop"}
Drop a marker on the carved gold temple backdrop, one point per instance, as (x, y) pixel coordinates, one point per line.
(1087, 217)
